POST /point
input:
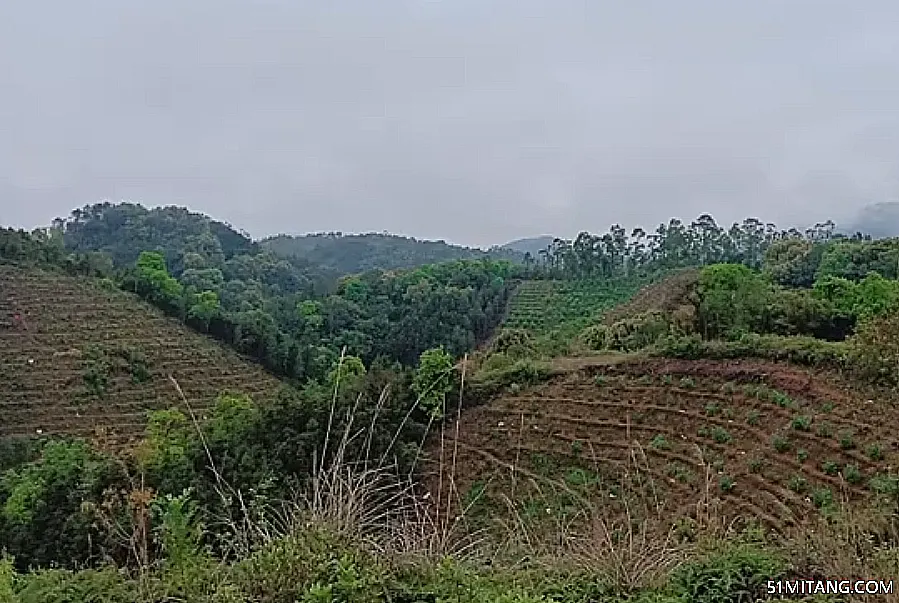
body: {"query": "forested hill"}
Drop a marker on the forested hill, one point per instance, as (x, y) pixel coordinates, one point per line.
(354, 253)
(192, 241)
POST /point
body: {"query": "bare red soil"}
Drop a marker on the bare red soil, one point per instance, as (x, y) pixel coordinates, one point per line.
(757, 440)
(43, 359)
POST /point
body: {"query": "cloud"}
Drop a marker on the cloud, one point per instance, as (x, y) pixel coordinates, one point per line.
(476, 122)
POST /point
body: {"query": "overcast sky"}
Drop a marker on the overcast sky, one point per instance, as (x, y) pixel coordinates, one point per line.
(474, 121)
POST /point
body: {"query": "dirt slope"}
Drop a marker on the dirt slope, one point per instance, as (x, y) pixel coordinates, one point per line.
(665, 296)
(79, 359)
(752, 440)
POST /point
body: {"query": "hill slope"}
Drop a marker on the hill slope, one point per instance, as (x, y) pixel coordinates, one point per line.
(743, 439)
(84, 360)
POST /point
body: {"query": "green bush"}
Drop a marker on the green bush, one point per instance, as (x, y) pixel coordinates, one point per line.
(594, 337)
(736, 575)
(806, 351)
(637, 332)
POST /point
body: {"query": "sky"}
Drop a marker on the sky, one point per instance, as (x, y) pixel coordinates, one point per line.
(472, 121)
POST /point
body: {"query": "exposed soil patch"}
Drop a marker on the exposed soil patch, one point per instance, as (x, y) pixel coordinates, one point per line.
(78, 359)
(757, 441)
(665, 297)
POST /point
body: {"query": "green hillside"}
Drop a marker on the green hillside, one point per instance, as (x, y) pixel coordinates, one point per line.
(675, 416)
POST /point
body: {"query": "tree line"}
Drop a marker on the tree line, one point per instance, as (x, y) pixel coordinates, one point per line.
(671, 245)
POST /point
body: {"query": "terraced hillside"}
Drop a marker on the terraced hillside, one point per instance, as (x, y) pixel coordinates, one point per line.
(744, 439)
(76, 358)
(564, 307)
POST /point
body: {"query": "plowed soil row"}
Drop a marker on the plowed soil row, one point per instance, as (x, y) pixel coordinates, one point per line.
(762, 441)
(44, 359)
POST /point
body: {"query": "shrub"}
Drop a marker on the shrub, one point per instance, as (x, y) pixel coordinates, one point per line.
(874, 452)
(720, 435)
(852, 474)
(753, 417)
(516, 343)
(847, 442)
(594, 337)
(797, 484)
(823, 498)
(660, 443)
(801, 423)
(636, 333)
(806, 351)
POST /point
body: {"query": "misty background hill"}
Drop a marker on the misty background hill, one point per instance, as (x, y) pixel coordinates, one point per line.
(880, 220)
(352, 253)
(531, 245)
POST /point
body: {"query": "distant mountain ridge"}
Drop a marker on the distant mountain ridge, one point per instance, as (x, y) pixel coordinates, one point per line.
(354, 253)
(531, 245)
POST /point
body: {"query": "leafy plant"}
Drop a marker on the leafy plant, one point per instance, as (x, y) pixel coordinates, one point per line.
(801, 423)
(797, 484)
(846, 440)
(660, 443)
(852, 474)
(874, 452)
(830, 467)
(781, 444)
(726, 483)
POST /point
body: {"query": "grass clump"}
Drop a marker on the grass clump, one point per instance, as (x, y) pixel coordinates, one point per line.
(852, 474)
(753, 418)
(830, 467)
(721, 575)
(874, 452)
(801, 423)
(720, 435)
(781, 444)
(847, 441)
(797, 484)
(660, 443)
